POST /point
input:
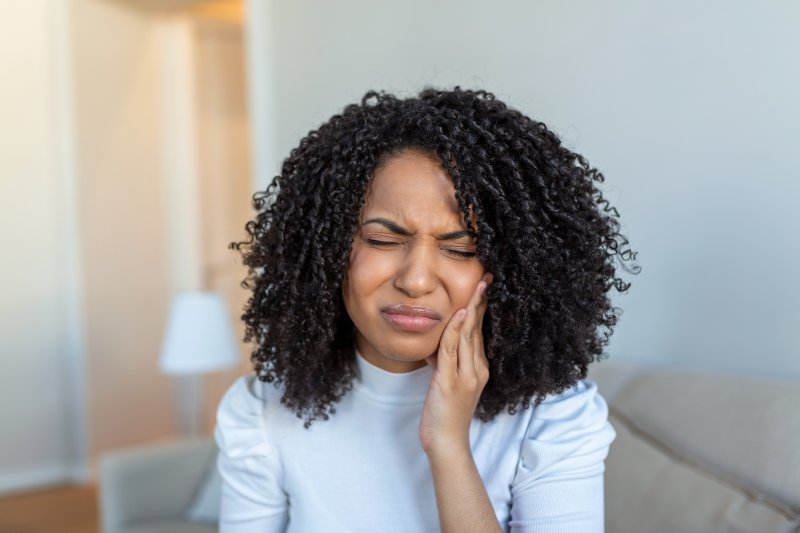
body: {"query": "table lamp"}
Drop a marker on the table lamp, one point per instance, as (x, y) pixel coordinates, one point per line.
(199, 339)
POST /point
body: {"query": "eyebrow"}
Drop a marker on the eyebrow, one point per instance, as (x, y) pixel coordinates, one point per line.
(396, 228)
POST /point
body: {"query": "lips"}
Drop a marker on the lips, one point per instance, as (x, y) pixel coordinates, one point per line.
(410, 318)
(411, 310)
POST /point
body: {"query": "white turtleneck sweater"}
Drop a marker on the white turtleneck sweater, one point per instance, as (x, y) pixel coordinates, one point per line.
(364, 469)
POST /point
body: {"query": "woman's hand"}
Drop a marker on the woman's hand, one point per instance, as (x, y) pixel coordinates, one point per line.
(460, 372)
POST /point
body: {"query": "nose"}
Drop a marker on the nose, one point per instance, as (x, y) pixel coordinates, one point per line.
(416, 275)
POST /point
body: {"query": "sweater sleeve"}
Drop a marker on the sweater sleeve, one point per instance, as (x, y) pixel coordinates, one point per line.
(252, 497)
(558, 485)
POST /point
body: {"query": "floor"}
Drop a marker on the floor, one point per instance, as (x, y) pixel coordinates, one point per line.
(63, 509)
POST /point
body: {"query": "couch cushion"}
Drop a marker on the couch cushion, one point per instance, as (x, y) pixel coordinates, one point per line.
(173, 527)
(649, 489)
(745, 430)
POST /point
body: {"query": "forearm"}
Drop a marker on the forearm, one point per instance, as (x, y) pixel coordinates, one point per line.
(464, 505)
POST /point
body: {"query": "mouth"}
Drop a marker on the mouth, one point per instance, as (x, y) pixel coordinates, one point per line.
(410, 318)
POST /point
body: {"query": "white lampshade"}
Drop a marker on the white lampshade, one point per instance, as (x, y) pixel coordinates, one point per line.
(199, 336)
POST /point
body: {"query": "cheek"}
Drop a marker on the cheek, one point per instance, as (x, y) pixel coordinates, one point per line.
(365, 273)
(463, 282)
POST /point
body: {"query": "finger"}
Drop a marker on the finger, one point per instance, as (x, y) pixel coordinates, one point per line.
(488, 277)
(466, 349)
(447, 356)
(480, 349)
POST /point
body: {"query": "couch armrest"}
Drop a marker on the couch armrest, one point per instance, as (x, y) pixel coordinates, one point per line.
(151, 482)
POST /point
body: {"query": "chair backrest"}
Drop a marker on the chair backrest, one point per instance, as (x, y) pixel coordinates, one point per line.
(700, 451)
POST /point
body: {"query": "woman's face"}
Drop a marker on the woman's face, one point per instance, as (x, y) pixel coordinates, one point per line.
(410, 249)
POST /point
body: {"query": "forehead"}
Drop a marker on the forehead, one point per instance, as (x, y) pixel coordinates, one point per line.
(413, 187)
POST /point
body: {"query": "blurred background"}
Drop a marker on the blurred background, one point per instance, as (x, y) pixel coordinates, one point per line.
(135, 131)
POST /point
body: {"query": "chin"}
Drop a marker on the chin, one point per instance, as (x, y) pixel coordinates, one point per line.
(410, 349)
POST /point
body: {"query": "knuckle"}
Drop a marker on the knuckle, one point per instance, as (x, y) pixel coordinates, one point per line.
(471, 382)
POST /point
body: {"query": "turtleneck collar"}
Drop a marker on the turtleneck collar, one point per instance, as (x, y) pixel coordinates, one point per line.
(390, 387)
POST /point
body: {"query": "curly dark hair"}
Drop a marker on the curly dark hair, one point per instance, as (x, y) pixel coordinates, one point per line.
(544, 231)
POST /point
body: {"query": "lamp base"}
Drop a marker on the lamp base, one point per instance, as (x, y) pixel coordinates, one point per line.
(190, 404)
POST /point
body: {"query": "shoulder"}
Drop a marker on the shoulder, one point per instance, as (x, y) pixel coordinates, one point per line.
(580, 405)
(252, 494)
(566, 431)
(240, 429)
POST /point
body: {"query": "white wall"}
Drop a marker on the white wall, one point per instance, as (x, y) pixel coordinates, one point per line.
(40, 309)
(105, 214)
(121, 194)
(690, 110)
(84, 279)
(225, 178)
(207, 170)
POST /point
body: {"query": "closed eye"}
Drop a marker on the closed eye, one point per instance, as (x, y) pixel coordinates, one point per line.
(381, 243)
(459, 253)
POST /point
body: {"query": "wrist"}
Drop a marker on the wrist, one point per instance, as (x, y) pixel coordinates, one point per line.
(449, 452)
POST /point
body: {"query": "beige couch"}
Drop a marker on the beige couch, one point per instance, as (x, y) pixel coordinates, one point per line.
(695, 452)
(160, 488)
(698, 451)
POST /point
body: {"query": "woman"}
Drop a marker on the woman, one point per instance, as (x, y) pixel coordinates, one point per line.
(428, 278)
